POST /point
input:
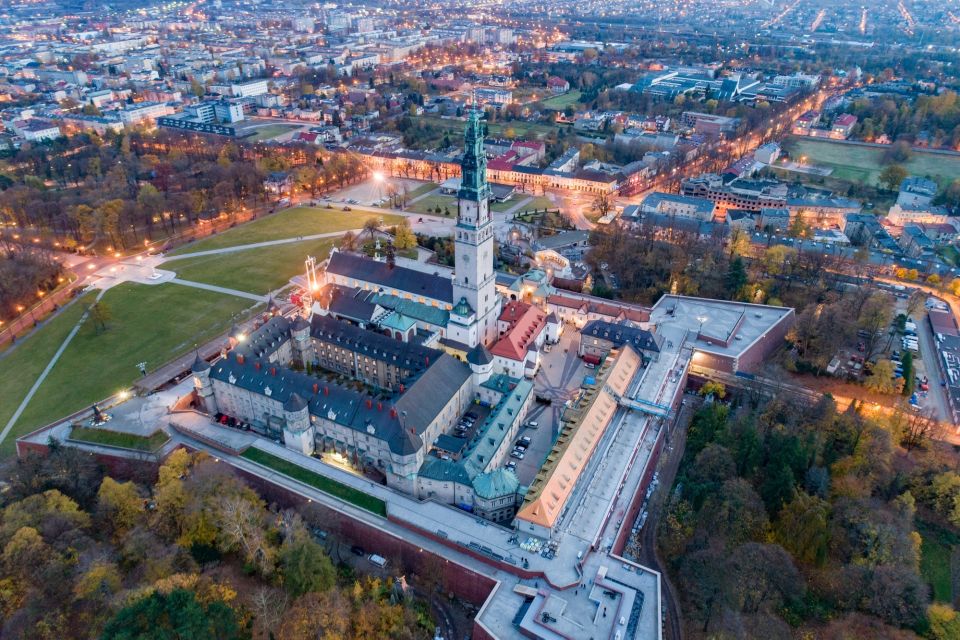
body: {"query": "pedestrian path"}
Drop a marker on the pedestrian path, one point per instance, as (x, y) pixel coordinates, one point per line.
(46, 371)
(256, 245)
(423, 196)
(218, 289)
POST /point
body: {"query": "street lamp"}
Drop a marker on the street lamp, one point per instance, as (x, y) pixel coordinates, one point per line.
(702, 319)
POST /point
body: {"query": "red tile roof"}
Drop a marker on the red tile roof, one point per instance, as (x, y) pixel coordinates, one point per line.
(526, 322)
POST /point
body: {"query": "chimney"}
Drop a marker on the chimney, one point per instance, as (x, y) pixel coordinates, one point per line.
(369, 403)
(256, 365)
(393, 412)
(427, 358)
(273, 371)
(239, 358)
(401, 387)
(326, 390)
(379, 406)
(316, 387)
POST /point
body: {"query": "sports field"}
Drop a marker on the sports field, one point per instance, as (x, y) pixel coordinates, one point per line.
(561, 102)
(862, 165)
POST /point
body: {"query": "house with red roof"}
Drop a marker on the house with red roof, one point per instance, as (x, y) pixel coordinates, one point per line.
(522, 328)
(557, 85)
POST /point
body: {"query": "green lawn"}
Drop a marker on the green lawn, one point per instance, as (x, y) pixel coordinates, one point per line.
(254, 270)
(938, 545)
(561, 102)
(422, 189)
(297, 221)
(21, 367)
(430, 204)
(270, 131)
(539, 203)
(119, 439)
(149, 323)
(332, 487)
(863, 164)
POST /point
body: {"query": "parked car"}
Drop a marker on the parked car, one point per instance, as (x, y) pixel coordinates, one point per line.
(516, 454)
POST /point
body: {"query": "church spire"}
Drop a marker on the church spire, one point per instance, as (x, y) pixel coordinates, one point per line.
(473, 168)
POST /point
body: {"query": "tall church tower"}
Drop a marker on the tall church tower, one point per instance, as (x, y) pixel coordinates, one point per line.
(474, 280)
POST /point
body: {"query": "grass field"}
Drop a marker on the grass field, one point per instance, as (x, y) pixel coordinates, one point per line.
(422, 189)
(118, 439)
(332, 487)
(497, 129)
(270, 131)
(253, 270)
(561, 102)
(21, 367)
(539, 203)
(297, 221)
(938, 545)
(863, 165)
(149, 323)
(430, 203)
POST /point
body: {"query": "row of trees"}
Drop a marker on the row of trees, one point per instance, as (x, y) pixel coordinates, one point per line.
(122, 189)
(87, 556)
(25, 274)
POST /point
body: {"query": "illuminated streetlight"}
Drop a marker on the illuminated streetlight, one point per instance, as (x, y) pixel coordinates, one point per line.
(702, 319)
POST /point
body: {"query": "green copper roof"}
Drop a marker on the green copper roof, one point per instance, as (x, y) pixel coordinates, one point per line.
(412, 309)
(462, 308)
(498, 483)
(473, 167)
(398, 322)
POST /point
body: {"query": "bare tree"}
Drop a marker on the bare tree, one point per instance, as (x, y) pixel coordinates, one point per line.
(269, 605)
(919, 428)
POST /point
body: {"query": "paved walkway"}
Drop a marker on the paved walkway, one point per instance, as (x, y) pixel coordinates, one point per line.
(43, 375)
(225, 290)
(422, 196)
(256, 245)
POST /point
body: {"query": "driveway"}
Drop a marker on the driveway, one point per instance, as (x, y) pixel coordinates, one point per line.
(559, 380)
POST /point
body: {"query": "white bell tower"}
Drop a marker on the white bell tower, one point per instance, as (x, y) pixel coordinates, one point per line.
(474, 279)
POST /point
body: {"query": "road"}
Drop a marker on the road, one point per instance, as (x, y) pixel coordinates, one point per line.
(667, 468)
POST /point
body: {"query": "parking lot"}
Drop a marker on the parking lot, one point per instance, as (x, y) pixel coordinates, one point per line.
(558, 380)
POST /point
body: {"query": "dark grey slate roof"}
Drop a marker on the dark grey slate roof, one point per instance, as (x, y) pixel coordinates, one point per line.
(199, 364)
(300, 323)
(479, 355)
(267, 339)
(620, 334)
(347, 306)
(345, 406)
(444, 471)
(408, 355)
(427, 397)
(294, 403)
(411, 281)
(450, 443)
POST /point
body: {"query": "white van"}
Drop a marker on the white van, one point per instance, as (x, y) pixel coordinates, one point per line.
(380, 561)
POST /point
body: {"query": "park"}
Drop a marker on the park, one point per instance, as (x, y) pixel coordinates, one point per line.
(157, 323)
